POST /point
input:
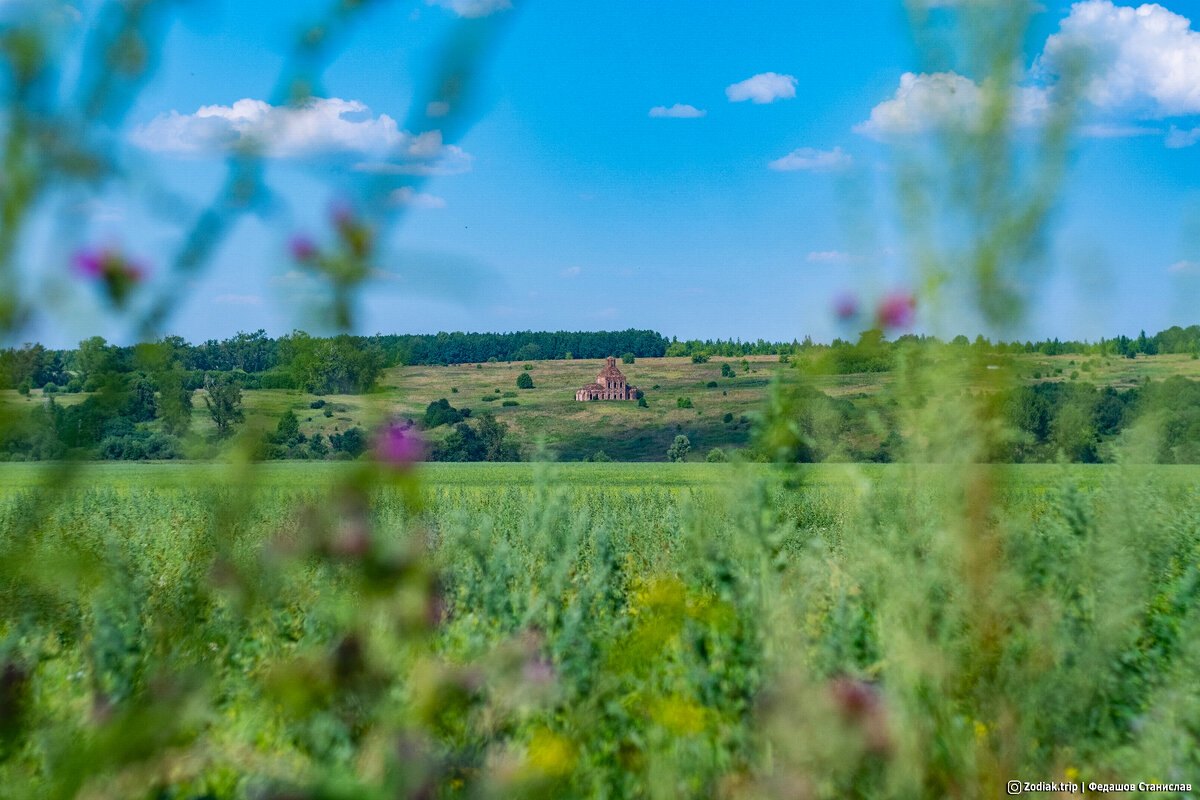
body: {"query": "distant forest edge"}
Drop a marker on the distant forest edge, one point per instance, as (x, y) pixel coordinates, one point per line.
(350, 364)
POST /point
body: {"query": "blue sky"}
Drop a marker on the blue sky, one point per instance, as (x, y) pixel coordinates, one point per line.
(704, 170)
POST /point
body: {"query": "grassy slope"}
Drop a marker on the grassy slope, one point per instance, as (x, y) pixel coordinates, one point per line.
(571, 430)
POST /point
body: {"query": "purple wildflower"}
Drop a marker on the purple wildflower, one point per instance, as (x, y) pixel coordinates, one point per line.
(302, 248)
(398, 446)
(897, 310)
(845, 306)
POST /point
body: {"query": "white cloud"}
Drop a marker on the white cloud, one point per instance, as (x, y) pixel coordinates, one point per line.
(764, 88)
(410, 197)
(677, 111)
(570, 272)
(1105, 130)
(323, 126)
(1143, 60)
(1184, 268)
(1177, 137)
(943, 100)
(472, 8)
(808, 158)
(830, 257)
(238, 300)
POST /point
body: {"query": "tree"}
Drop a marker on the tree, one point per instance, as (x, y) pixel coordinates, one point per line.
(174, 401)
(716, 456)
(224, 402)
(627, 358)
(726, 370)
(287, 431)
(524, 381)
(679, 448)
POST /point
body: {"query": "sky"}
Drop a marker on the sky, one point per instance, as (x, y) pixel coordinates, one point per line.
(701, 169)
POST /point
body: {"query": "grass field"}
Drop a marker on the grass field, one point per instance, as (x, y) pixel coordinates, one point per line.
(548, 415)
(595, 630)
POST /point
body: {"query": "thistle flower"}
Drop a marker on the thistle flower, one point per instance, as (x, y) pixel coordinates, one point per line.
(398, 446)
(303, 248)
(845, 306)
(117, 273)
(896, 310)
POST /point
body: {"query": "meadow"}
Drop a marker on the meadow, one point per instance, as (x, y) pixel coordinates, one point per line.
(594, 630)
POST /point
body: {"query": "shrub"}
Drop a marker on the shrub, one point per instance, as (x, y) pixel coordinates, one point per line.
(328, 411)
(699, 358)
(728, 418)
(679, 448)
(642, 403)
(527, 366)
(627, 358)
(50, 388)
(683, 402)
(716, 456)
(711, 384)
(439, 413)
(491, 398)
(317, 404)
(726, 370)
(599, 457)
(353, 442)
(479, 366)
(453, 390)
(1037, 375)
(510, 403)
(524, 381)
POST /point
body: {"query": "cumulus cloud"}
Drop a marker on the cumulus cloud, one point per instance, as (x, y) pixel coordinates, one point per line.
(808, 158)
(1144, 60)
(411, 198)
(472, 8)
(1142, 63)
(323, 126)
(677, 111)
(765, 88)
(926, 102)
(1177, 138)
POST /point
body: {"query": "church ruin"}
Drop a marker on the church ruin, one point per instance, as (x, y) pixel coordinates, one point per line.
(610, 385)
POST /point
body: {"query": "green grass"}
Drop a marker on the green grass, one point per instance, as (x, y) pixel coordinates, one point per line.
(585, 630)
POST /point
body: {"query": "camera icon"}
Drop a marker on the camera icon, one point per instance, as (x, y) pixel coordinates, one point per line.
(1014, 787)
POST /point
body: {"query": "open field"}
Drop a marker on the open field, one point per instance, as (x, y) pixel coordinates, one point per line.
(549, 416)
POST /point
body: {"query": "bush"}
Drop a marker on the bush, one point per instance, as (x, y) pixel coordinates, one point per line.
(1037, 376)
(727, 371)
(328, 411)
(524, 381)
(683, 402)
(50, 388)
(728, 418)
(527, 366)
(599, 457)
(453, 390)
(353, 442)
(642, 403)
(679, 448)
(699, 358)
(439, 413)
(510, 403)
(317, 404)
(627, 358)
(711, 384)
(716, 456)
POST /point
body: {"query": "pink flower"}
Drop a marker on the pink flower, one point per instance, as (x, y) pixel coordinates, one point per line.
(398, 446)
(302, 248)
(897, 310)
(845, 306)
(89, 263)
(116, 273)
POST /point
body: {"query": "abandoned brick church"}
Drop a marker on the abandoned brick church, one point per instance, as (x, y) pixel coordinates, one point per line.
(610, 385)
